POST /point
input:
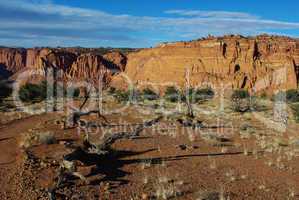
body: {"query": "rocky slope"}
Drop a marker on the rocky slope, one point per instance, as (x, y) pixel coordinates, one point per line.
(255, 63)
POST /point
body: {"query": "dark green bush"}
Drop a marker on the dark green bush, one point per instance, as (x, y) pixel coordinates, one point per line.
(76, 92)
(295, 109)
(5, 90)
(111, 90)
(149, 94)
(240, 94)
(172, 94)
(72, 92)
(241, 101)
(203, 94)
(290, 96)
(264, 95)
(33, 92)
(280, 96)
(122, 96)
(197, 95)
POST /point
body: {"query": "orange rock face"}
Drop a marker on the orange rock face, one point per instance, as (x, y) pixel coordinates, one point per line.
(87, 67)
(259, 63)
(92, 68)
(256, 63)
(117, 58)
(12, 59)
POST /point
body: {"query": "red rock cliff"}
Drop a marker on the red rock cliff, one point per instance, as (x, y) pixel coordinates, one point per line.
(254, 63)
(91, 67)
(75, 65)
(12, 59)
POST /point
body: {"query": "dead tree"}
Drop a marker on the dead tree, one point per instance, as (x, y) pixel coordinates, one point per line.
(190, 112)
(102, 149)
(104, 146)
(75, 116)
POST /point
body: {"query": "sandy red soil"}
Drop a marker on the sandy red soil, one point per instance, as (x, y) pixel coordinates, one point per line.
(156, 165)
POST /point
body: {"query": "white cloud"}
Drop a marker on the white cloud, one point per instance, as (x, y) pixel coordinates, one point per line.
(212, 14)
(41, 22)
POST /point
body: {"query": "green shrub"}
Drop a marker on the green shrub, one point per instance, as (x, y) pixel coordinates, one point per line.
(5, 90)
(111, 90)
(72, 92)
(77, 92)
(263, 95)
(240, 94)
(122, 96)
(33, 92)
(290, 96)
(172, 94)
(202, 95)
(149, 94)
(295, 109)
(280, 96)
(241, 101)
(197, 95)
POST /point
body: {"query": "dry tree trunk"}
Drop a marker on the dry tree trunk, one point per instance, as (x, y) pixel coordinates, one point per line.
(190, 112)
(68, 165)
(74, 118)
(109, 139)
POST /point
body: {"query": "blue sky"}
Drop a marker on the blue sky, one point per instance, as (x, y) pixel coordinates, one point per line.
(139, 23)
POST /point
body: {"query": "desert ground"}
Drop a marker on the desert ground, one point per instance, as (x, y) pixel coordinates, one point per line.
(219, 154)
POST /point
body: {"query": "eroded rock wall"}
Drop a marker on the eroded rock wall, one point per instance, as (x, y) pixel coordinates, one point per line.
(263, 62)
(74, 65)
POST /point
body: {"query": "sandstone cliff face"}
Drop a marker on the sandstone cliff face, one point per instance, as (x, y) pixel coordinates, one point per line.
(117, 58)
(261, 63)
(255, 63)
(74, 65)
(92, 68)
(12, 60)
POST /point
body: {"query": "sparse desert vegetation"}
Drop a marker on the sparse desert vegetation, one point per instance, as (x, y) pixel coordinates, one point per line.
(208, 119)
(166, 157)
(137, 100)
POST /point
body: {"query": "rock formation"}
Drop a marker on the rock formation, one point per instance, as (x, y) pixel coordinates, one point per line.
(255, 63)
(74, 64)
(12, 59)
(92, 68)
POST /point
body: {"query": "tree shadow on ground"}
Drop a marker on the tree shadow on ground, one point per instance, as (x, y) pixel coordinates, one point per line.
(110, 167)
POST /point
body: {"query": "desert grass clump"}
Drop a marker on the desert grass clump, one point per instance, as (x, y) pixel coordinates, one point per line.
(215, 139)
(210, 195)
(167, 188)
(27, 140)
(147, 163)
(32, 138)
(213, 164)
(230, 174)
(246, 131)
(47, 138)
